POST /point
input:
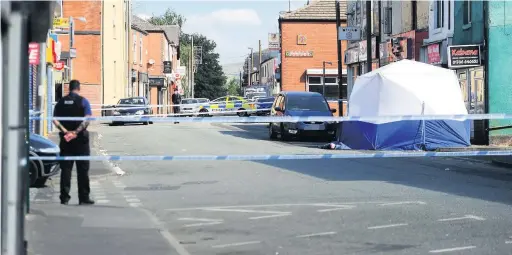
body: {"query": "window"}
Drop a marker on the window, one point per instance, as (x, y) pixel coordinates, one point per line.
(466, 8)
(439, 13)
(134, 47)
(331, 86)
(140, 50)
(307, 103)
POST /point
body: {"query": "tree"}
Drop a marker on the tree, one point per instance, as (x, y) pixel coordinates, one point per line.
(209, 78)
(170, 17)
(233, 87)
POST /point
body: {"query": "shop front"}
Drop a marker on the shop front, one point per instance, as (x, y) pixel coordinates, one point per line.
(143, 85)
(466, 60)
(157, 90)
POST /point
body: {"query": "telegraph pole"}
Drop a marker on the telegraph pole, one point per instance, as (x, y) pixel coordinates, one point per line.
(192, 66)
(259, 64)
(369, 36)
(250, 70)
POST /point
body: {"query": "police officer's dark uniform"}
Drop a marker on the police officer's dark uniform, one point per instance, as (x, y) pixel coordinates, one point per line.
(176, 100)
(73, 105)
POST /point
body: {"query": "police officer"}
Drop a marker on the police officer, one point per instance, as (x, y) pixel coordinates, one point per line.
(176, 101)
(74, 141)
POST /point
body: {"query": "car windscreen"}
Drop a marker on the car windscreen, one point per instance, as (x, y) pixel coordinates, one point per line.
(306, 103)
(202, 100)
(188, 101)
(266, 100)
(131, 101)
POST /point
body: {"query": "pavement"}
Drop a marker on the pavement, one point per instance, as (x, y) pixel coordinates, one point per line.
(336, 206)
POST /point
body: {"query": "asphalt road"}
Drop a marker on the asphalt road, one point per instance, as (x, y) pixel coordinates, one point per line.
(339, 206)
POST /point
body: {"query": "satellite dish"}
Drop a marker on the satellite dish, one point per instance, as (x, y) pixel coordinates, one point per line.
(151, 61)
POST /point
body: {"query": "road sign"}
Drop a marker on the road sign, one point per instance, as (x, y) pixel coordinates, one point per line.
(60, 22)
(59, 65)
(349, 33)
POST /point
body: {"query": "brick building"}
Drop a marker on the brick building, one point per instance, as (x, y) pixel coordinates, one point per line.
(162, 45)
(308, 38)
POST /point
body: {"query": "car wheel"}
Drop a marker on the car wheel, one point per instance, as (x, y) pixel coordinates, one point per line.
(151, 122)
(145, 123)
(284, 135)
(40, 183)
(271, 134)
(33, 173)
(203, 113)
(241, 114)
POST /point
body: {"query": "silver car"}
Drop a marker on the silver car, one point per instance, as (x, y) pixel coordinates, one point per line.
(190, 106)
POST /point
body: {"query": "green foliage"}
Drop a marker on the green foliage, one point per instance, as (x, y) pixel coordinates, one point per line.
(209, 78)
(233, 87)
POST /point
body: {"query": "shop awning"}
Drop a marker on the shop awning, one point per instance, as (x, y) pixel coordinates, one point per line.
(319, 71)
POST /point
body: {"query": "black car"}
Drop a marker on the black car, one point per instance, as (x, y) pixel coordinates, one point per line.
(302, 104)
(41, 170)
(134, 107)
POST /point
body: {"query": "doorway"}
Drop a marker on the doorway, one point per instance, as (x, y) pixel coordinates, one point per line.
(472, 85)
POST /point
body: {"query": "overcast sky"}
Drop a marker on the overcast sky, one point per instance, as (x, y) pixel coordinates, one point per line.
(233, 25)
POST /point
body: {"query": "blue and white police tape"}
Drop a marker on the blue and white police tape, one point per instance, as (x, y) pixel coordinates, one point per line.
(277, 119)
(341, 155)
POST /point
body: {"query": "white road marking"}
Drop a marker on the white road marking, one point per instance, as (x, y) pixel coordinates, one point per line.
(453, 249)
(468, 216)
(100, 197)
(103, 201)
(508, 242)
(133, 200)
(235, 244)
(317, 234)
(242, 211)
(388, 226)
(129, 196)
(404, 203)
(280, 205)
(199, 219)
(270, 216)
(173, 242)
(336, 209)
(135, 204)
(203, 224)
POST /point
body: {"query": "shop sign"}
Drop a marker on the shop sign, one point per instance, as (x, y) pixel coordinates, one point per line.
(33, 53)
(273, 41)
(352, 56)
(60, 22)
(159, 82)
(302, 40)
(167, 67)
(362, 50)
(59, 65)
(433, 54)
(464, 56)
(400, 48)
(291, 54)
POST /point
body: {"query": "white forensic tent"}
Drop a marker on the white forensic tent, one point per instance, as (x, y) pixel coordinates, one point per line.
(406, 88)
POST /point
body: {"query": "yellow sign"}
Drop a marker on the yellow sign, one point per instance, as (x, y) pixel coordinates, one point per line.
(60, 22)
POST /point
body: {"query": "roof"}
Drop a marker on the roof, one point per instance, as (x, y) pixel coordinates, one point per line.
(171, 32)
(300, 93)
(321, 10)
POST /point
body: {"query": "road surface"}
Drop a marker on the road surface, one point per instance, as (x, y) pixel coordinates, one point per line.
(339, 206)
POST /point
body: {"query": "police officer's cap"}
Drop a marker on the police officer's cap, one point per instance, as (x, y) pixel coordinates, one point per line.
(74, 85)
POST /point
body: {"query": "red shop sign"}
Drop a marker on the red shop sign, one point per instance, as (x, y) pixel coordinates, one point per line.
(433, 54)
(59, 65)
(33, 53)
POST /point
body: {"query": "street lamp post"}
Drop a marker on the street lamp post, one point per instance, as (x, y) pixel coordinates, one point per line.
(250, 69)
(323, 76)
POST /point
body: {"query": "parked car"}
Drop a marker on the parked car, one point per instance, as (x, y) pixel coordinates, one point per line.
(188, 107)
(41, 170)
(228, 105)
(298, 104)
(134, 107)
(263, 105)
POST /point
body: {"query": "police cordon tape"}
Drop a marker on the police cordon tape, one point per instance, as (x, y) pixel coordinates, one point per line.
(134, 118)
(205, 105)
(279, 157)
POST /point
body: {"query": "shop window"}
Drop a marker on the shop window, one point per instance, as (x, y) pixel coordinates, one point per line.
(466, 8)
(439, 13)
(331, 86)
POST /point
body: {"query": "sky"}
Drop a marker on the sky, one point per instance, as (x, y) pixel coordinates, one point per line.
(233, 25)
